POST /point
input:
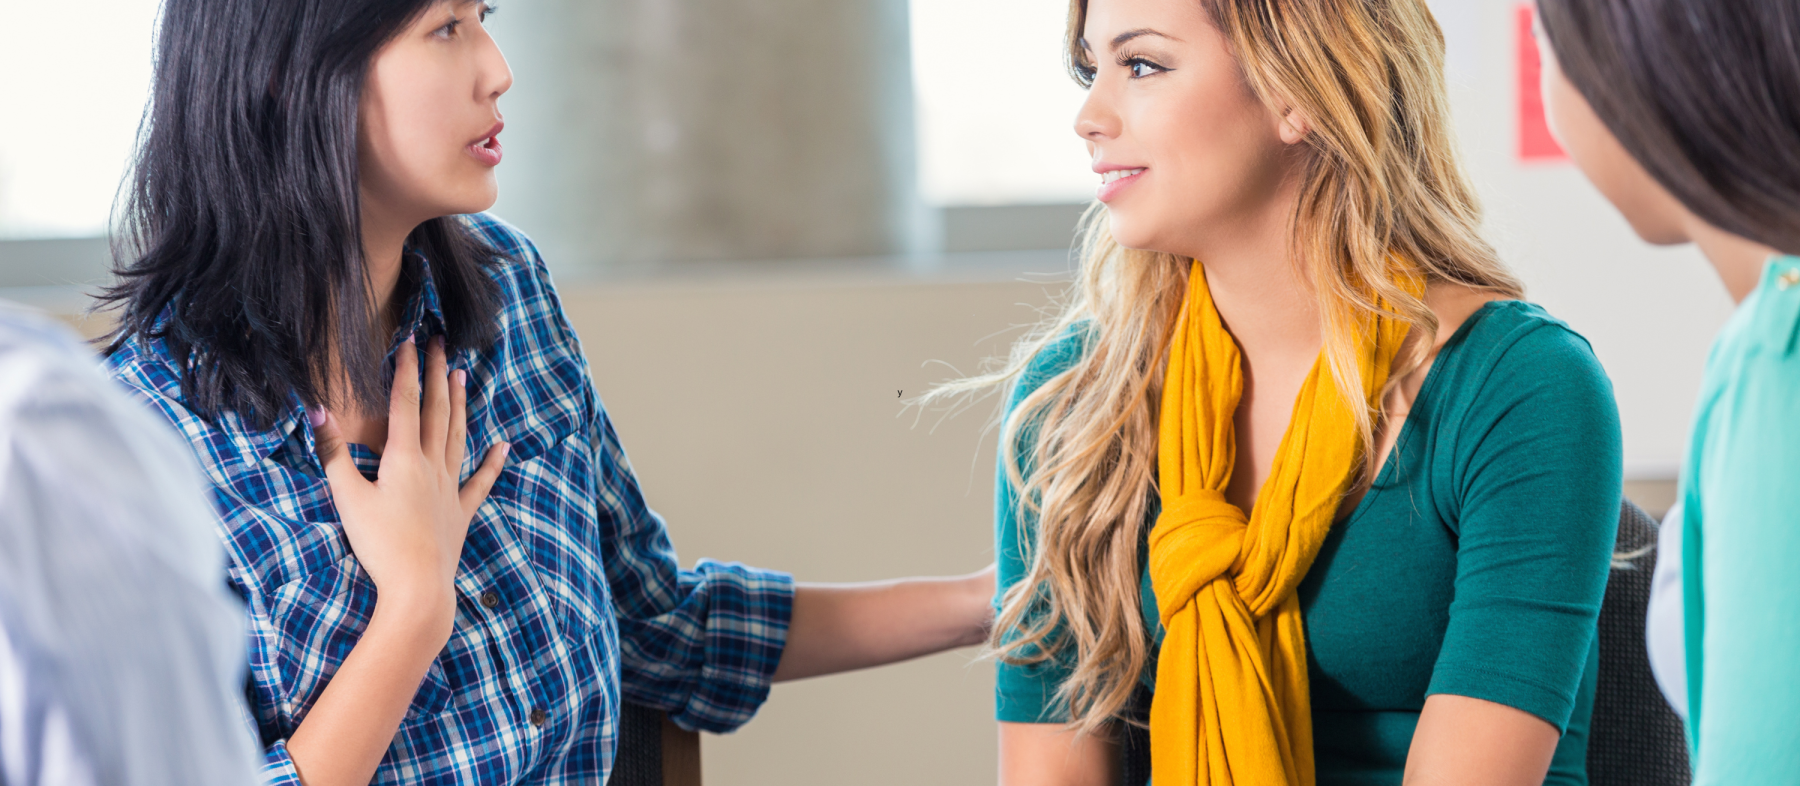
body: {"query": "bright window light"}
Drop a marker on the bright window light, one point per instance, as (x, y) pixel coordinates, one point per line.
(995, 107)
(78, 75)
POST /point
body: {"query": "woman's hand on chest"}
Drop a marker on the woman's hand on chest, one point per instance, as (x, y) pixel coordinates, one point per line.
(407, 526)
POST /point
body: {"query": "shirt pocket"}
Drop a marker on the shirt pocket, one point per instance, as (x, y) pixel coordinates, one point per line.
(547, 504)
(319, 618)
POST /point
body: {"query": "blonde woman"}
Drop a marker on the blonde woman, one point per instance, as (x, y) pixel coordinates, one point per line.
(1295, 455)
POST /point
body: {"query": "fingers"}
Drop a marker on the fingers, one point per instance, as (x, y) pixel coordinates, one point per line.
(334, 454)
(403, 402)
(457, 441)
(434, 412)
(475, 491)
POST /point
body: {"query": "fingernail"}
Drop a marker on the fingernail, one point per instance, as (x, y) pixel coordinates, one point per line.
(461, 377)
(505, 448)
(315, 416)
(410, 338)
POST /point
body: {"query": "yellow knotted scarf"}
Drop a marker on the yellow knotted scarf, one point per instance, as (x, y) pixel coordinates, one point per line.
(1231, 703)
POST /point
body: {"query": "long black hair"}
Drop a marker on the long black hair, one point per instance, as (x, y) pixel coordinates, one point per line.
(1705, 94)
(240, 243)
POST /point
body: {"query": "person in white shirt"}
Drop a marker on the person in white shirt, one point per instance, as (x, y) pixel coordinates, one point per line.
(122, 655)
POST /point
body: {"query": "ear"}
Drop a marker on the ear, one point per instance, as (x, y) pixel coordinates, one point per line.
(1294, 126)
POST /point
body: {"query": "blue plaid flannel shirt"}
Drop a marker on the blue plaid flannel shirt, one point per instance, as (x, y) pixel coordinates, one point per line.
(570, 598)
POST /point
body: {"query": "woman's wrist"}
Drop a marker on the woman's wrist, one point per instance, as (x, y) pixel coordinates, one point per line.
(424, 614)
(976, 592)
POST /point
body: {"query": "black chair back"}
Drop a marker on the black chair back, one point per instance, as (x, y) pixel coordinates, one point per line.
(1635, 739)
(639, 761)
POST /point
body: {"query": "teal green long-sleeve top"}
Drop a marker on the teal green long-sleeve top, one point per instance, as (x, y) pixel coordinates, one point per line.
(1475, 565)
(1741, 544)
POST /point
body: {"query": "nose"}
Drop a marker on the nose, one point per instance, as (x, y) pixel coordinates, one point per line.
(495, 75)
(1097, 120)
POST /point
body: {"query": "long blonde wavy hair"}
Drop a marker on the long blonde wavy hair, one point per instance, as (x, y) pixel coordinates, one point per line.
(1381, 197)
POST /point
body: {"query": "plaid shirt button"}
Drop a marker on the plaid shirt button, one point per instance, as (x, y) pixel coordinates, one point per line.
(539, 718)
(490, 599)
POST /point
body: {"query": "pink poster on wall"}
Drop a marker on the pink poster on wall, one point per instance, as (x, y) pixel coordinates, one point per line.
(1536, 145)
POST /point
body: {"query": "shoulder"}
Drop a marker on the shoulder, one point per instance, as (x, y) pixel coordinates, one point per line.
(1516, 380)
(1517, 390)
(143, 366)
(52, 376)
(517, 263)
(1763, 335)
(1752, 386)
(32, 347)
(532, 310)
(1511, 348)
(544, 389)
(41, 362)
(62, 416)
(503, 237)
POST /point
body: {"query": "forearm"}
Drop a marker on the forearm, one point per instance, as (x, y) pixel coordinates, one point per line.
(1051, 754)
(1461, 741)
(348, 730)
(843, 627)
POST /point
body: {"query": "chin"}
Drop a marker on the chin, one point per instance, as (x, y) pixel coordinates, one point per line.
(476, 201)
(1658, 233)
(1127, 232)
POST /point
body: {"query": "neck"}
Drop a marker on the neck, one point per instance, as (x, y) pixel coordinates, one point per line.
(384, 242)
(1738, 260)
(1258, 288)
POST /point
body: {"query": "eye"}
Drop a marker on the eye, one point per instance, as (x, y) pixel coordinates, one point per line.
(1141, 68)
(488, 9)
(449, 28)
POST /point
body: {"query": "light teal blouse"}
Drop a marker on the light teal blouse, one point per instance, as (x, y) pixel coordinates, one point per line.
(1741, 547)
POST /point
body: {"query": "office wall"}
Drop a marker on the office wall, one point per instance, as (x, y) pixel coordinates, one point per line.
(766, 422)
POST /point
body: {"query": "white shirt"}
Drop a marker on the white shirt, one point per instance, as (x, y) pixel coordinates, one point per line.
(1665, 633)
(122, 652)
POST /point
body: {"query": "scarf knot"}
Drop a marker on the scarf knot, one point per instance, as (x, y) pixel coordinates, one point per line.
(1198, 538)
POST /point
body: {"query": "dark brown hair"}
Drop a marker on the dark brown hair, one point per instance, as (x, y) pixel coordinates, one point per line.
(240, 244)
(1705, 94)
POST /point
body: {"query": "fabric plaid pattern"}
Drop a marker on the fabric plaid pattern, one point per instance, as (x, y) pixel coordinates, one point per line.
(570, 598)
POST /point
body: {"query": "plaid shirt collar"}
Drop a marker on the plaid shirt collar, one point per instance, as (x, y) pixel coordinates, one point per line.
(422, 316)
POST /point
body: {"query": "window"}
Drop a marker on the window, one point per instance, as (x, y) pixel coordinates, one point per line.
(996, 109)
(78, 77)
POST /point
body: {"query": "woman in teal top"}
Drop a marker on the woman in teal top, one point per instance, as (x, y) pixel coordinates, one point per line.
(1440, 629)
(1469, 567)
(1686, 115)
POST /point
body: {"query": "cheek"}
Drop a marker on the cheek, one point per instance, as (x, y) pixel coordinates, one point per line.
(1216, 157)
(418, 151)
(1653, 214)
(400, 131)
(424, 142)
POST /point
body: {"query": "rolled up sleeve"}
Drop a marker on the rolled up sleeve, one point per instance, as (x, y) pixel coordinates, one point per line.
(700, 644)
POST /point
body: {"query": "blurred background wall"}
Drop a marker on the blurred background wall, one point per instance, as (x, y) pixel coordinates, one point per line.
(773, 221)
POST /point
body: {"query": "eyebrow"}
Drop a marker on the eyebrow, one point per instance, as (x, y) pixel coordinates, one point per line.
(1120, 39)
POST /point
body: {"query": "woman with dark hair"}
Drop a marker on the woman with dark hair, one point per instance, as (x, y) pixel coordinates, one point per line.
(300, 227)
(1686, 115)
